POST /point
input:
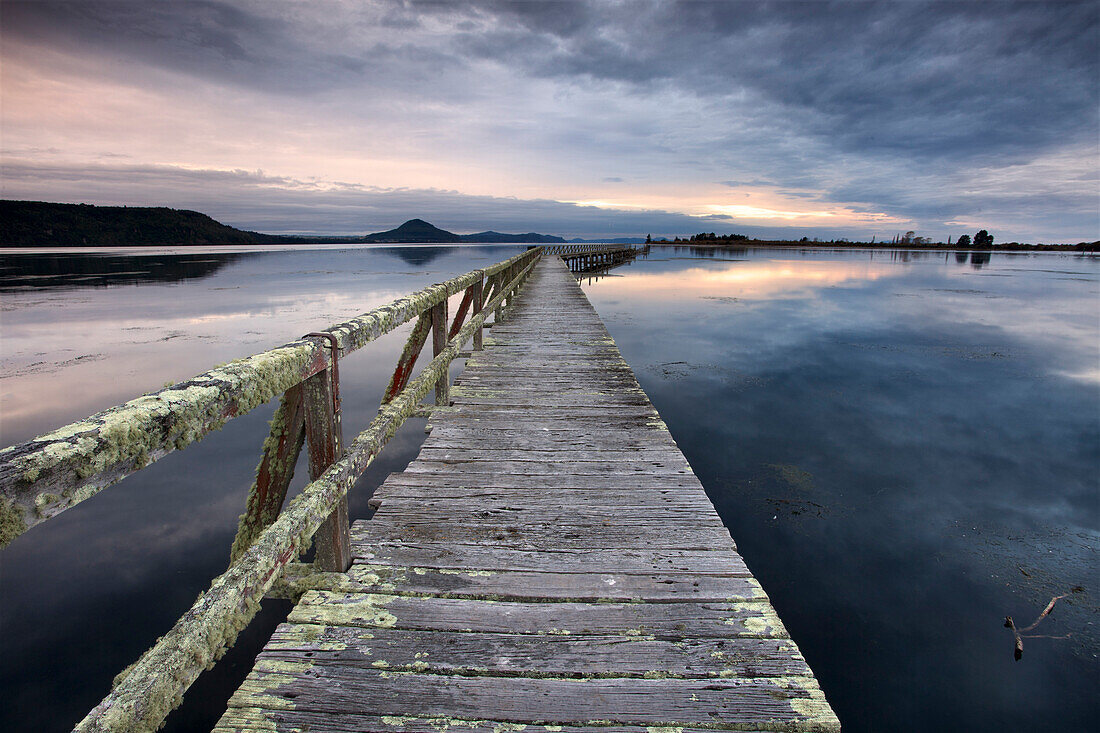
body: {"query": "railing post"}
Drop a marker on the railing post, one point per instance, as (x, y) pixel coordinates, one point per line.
(498, 314)
(324, 434)
(439, 342)
(479, 302)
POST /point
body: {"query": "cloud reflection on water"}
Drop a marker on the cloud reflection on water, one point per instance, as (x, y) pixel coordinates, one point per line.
(902, 459)
(749, 280)
(1051, 310)
(72, 350)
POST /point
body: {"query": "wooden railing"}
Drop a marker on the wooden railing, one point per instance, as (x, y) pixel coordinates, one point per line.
(51, 473)
(563, 250)
(588, 257)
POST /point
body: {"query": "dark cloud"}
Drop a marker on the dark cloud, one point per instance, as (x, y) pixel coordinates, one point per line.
(925, 80)
(262, 46)
(897, 108)
(921, 79)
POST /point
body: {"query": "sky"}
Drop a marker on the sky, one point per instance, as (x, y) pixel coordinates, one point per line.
(590, 119)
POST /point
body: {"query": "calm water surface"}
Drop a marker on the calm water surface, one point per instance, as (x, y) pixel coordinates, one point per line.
(906, 447)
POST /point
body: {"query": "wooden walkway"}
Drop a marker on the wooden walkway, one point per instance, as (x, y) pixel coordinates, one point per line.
(549, 562)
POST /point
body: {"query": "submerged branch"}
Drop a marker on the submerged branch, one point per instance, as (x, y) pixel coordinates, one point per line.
(1019, 633)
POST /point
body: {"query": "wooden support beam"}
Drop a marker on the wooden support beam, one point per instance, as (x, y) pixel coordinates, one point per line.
(324, 434)
(439, 342)
(508, 275)
(479, 303)
(498, 314)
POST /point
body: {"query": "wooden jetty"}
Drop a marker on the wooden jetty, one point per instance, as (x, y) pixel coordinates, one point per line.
(549, 562)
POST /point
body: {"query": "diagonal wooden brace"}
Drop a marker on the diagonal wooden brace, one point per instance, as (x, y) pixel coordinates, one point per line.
(460, 316)
(409, 355)
(281, 450)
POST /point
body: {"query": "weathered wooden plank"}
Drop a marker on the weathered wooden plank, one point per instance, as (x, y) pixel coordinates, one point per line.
(698, 563)
(548, 417)
(555, 482)
(554, 423)
(459, 502)
(611, 465)
(655, 455)
(568, 400)
(519, 371)
(541, 535)
(664, 620)
(623, 388)
(533, 655)
(265, 720)
(689, 528)
(453, 436)
(536, 586)
(509, 486)
(719, 703)
(597, 379)
(623, 515)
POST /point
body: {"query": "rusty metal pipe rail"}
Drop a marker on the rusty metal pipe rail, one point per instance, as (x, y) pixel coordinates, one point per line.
(44, 476)
(153, 686)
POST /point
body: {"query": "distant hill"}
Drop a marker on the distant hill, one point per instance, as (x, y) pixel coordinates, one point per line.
(418, 230)
(42, 224)
(414, 230)
(497, 237)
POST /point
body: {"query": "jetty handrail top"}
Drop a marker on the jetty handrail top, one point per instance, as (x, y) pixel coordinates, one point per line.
(48, 474)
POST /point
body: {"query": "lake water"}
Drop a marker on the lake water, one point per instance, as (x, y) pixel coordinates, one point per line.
(905, 445)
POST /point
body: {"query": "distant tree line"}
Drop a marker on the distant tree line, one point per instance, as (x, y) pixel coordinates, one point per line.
(712, 237)
(983, 240)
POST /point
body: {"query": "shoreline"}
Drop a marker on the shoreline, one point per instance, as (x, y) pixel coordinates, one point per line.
(935, 246)
(1081, 247)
